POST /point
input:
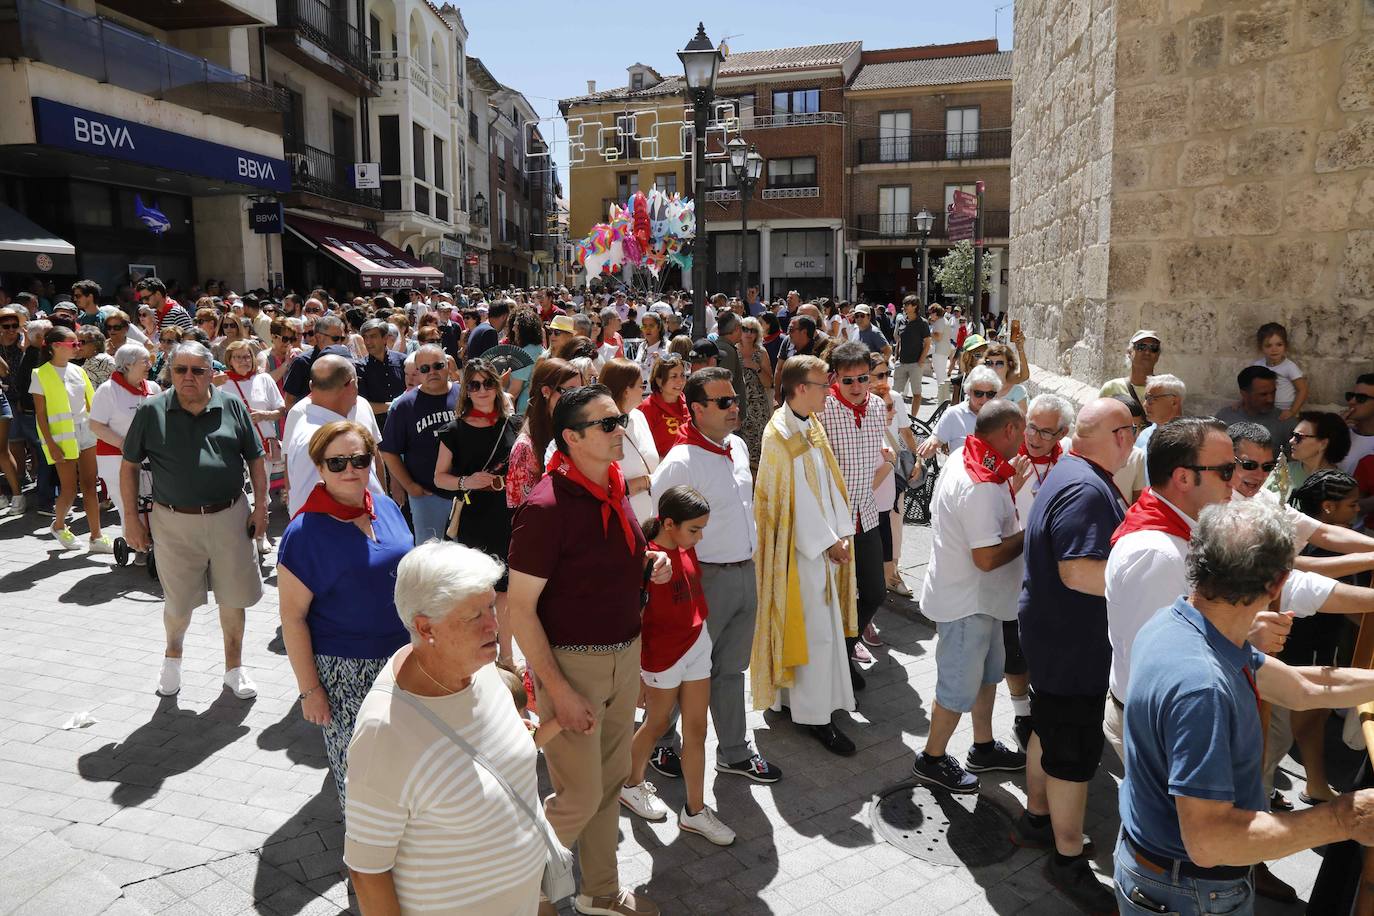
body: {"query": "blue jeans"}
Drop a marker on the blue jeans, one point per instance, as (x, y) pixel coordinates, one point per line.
(25, 428)
(1184, 897)
(429, 514)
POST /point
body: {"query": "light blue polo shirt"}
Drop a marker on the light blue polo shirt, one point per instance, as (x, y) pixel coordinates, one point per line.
(1192, 726)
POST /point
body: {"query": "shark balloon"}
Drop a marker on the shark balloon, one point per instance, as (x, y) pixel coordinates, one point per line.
(156, 221)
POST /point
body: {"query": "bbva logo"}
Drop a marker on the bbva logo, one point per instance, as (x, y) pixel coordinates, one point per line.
(254, 168)
(98, 133)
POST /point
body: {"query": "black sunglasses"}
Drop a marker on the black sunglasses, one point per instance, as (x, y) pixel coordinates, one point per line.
(1357, 397)
(1134, 428)
(478, 384)
(608, 424)
(334, 337)
(1250, 464)
(1224, 471)
(288, 339)
(9, 326)
(1145, 348)
(337, 463)
(197, 371)
(108, 327)
(724, 403)
(977, 393)
(427, 368)
(851, 379)
(1298, 437)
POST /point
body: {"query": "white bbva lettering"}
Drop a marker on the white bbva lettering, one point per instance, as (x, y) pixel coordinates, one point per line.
(97, 133)
(252, 168)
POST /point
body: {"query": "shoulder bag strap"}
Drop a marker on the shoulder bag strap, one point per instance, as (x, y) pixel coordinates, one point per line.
(448, 732)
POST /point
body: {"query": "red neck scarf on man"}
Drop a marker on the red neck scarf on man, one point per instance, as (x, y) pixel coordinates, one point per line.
(858, 410)
(984, 464)
(122, 382)
(236, 377)
(1051, 459)
(690, 435)
(321, 501)
(1150, 513)
(612, 497)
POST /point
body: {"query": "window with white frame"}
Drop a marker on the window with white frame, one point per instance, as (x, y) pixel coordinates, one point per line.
(894, 210)
(894, 136)
(961, 133)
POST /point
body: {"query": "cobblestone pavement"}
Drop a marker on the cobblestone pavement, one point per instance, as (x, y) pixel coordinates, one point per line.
(203, 803)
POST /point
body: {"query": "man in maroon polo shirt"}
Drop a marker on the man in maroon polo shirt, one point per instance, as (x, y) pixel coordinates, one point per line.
(578, 562)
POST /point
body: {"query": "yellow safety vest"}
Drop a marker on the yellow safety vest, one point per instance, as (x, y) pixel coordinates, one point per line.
(61, 422)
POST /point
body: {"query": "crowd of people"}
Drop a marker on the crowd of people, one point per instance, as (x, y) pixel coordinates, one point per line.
(510, 519)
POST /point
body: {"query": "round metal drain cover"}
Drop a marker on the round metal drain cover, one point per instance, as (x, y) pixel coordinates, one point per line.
(939, 827)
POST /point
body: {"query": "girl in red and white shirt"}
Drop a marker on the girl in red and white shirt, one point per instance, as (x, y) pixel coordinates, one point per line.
(675, 658)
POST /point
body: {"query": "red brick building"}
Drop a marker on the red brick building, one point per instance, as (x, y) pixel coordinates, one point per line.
(923, 122)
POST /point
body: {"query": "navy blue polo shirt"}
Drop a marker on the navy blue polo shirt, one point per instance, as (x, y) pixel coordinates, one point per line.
(1064, 631)
(382, 380)
(296, 382)
(1192, 726)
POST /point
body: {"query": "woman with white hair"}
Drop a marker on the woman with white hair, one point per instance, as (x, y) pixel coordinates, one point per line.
(336, 565)
(266, 406)
(427, 827)
(112, 409)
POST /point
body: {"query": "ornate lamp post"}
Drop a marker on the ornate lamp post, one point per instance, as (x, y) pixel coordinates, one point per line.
(747, 166)
(700, 64)
(924, 222)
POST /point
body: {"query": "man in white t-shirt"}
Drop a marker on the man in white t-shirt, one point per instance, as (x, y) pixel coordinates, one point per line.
(1360, 415)
(333, 397)
(958, 421)
(970, 589)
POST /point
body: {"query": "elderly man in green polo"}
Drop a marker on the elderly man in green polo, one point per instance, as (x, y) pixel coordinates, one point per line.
(198, 442)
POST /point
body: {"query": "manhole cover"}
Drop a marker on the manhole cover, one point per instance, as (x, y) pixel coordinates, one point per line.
(946, 829)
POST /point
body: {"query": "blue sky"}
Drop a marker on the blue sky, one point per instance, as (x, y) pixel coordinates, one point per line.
(548, 50)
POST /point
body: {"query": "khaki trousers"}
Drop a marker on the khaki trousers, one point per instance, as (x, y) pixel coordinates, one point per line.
(587, 771)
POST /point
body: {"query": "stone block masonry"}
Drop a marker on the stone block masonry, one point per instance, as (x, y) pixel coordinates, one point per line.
(1199, 167)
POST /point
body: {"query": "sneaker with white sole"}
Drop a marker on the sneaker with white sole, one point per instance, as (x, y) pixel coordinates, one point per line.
(169, 681)
(18, 504)
(705, 823)
(102, 544)
(237, 680)
(643, 800)
(64, 537)
(140, 557)
(4, 502)
(623, 902)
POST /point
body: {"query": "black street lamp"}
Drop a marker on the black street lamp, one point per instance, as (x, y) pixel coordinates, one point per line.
(700, 64)
(747, 166)
(924, 222)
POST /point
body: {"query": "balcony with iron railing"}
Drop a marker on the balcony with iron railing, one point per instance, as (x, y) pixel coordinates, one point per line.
(936, 146)
(895, 227)
(392, 67)
(318, 172)
(107, 52)
(512, 234)
(317, 23)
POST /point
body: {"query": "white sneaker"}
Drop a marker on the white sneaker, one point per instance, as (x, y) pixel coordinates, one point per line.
(64, 537)
(643, 800)
(4, 502)
(169, 681)
(18, 504)
(237, 680)
(705, 823)
(263, 548)
(102, 544)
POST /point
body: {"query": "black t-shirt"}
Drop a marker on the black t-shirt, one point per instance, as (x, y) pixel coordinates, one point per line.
(911, 335)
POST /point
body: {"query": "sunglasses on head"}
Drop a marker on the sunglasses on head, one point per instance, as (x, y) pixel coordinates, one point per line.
(852, 379)
(724, 403)
(1143, 347)
(427, 368)
(477, 384)
(1250, 464)
(1224, 471)
(336, 463)
(978, 393)
(197, 371)
(608, 424)
(1357, 397)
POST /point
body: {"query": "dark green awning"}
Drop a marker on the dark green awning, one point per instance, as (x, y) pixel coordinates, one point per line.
(26, 247)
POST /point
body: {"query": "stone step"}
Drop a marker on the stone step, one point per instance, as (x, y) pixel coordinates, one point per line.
(41, 875)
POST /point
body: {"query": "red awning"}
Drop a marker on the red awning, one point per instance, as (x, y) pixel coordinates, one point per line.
(378, 263)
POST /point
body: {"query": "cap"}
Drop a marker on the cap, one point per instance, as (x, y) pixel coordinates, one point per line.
(563, 323)
(702, 350)
(862, 309)
(973, 342)
(1143, 335)
(65, 306)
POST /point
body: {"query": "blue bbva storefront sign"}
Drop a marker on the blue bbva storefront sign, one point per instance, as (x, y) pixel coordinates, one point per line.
(99, 134)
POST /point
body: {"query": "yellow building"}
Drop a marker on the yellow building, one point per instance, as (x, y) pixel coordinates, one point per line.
(623, 140)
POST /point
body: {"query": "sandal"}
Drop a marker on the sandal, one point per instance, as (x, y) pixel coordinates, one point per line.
(1310, 800)
(1279, 802)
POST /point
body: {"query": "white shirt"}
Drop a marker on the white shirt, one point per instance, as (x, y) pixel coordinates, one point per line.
(114, 405)
(258, 393)
(301, 472)
(1360, 447)
(1130, 480)
(730, 535)
(1284, 390)
(956, 424)
(964, 516)
(885, 494)
(640, 458)
(942, 331)
(74, 380)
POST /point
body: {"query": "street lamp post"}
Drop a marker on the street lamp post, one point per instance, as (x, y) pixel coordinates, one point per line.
(924, 221)
(747, 166)
(700, 64)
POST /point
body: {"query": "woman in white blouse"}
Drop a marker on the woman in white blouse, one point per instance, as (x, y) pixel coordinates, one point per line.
(622, 377)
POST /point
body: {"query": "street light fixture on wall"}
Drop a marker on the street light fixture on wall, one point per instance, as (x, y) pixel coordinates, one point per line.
(700, 63)
(747, 166)
(925, 221)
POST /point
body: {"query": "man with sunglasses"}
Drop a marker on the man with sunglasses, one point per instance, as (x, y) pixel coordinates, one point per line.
(957, 423)
(1359, 414)
(714, 461)
(1258, 386)
(855, 420)
(1142, 353)
(329, 339)
(153, 292)
(410, 441)
(199, 442)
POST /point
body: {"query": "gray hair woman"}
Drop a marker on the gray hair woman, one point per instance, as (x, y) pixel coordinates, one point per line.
(427, 826)
(93, 358)
(112, 410)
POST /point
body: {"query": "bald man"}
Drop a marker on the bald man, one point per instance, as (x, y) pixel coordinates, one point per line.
(1063, 625)
(333, 397)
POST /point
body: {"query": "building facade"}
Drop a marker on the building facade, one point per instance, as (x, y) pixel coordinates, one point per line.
(923, 123)
(514, 147)
(139, 134)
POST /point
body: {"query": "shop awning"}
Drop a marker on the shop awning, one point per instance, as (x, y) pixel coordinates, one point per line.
(26, 247)
(378, 263)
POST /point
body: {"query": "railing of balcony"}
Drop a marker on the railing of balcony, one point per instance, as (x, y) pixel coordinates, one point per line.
(510, 234)
(103, 50)
(332, 32)
(937, 146)
(794, 181)
(325, 174)
(792, 119)
(895, 226)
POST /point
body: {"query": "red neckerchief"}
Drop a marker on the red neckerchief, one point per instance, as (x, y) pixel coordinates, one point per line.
(475, 414)
(122, 382)
(611, 497)
(321, 501)
(858, 410)
(1149, 513)
(1046, 461)
(984, 464)
(236, 377)
(690, 435)
(769, 338)
(676, 409)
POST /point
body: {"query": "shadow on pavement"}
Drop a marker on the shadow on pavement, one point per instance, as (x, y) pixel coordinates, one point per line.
(302, 861)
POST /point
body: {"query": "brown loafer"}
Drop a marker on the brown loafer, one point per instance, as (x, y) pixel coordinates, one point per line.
(623, 903)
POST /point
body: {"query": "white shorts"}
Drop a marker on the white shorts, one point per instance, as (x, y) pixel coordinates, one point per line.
(695, 665)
